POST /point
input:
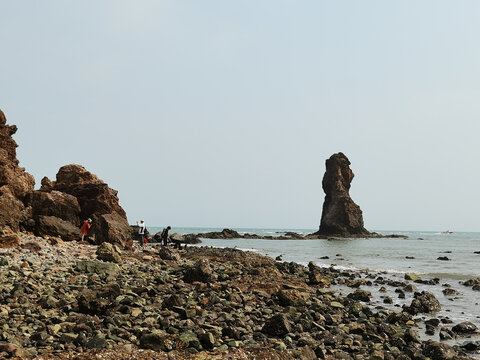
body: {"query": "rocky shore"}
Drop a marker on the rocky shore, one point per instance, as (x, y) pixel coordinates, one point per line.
(65, 300)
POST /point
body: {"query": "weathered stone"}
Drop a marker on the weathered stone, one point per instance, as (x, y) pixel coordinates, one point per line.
(201, 271)
(360, 295)
(278, 325)
(157, 341)
(51, 225)
(166, 253)
(8, 239)
(112, 228)
(109, 252)
(412, 277)
(97, 267)
(340, 215)
(57, 204)
(16, 185)
(438, 351)
(424, 302)
(465, 327)
(97, 342)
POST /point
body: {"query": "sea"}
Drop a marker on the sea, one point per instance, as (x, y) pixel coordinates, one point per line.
(390, 258)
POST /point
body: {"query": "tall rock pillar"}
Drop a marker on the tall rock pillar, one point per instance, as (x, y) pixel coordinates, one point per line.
(340, 215)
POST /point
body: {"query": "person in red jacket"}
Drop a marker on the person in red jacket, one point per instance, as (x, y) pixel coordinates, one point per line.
(87, 224)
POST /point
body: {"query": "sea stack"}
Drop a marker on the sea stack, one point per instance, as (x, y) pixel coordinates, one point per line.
(340, 215)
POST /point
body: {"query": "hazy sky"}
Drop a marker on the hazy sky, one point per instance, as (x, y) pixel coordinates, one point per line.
(222, 113)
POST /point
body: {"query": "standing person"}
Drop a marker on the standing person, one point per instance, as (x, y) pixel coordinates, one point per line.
(141, 231)
(87, 224)
(164, 235)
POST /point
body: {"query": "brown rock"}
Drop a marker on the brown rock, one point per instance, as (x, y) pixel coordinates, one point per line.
(15, 184)
(340, 215)
(109, 252)
(112, 228)
(93, 195)
(9, 239)
(54, 226)
(79, 194)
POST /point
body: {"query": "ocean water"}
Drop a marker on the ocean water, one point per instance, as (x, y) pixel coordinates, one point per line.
(391, 258)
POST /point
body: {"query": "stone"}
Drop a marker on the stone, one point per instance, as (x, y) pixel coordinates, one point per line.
(278, 325)
(207, 340)
(97, 267)
(57, 204)
(465, 327)
(424, 302)
(438, 351)
(201, 271)
(97, 342)
(54, 226)
(412, 277)
(165, 253)
(109, 252)
(340, 215)
(114, 229)
(360, 295)
(9, 239)
(290, 297)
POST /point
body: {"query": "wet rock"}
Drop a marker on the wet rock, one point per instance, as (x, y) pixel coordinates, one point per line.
(109, 252)
(412, 277)
(315, 276)
(360, 295)
(278, 325)
(465, 327)
(424, 302)
(443, 258)
(450, 292)
(471, 346)
(340, 215)
(438, 351)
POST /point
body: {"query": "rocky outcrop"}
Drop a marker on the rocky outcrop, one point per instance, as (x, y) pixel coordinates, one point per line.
(78, 194)
(340, 215)
(15, 184)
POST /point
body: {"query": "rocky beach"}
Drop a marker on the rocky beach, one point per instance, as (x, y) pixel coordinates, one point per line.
(68, 300)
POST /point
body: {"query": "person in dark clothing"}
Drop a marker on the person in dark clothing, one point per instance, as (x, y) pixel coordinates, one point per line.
(164, 235)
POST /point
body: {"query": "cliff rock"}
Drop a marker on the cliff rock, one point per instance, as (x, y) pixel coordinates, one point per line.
(78, 194)
(340, 215)
(15, 184)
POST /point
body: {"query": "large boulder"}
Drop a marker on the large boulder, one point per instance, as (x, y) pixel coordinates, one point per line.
(340, 215)
(94, 196)
(112, 228)
(79, 194)
(55, 226)
(56, 203)
(16, 185)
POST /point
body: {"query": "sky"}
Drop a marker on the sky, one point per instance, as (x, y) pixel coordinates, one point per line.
(222, 113)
